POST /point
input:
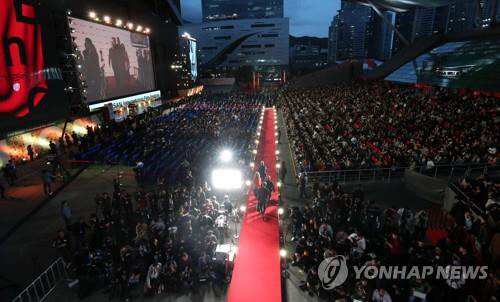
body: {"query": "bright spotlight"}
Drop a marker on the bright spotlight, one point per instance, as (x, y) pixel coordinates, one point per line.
(119, 22)
(226, 155)
(281, 211)
(277, 152)
(258, 133)
(283, 253)
(147, 30)
(243, 208)
(276, 141)
(139, 28)
(278, 165)
(252, 165)
(226, 179)
(130, 25)
(254, 151)
(92, 14)
(107, 19)
(248, 183)
(279, 184)
(256, 141)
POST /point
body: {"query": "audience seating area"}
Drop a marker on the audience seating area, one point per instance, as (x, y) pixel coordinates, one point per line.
(188, 135)
(379, 124)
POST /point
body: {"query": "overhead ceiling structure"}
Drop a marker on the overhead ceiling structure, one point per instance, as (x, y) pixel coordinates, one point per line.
(403, 5)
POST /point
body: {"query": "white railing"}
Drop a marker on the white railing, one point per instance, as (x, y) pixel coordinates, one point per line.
(44, 284)
(449, 172)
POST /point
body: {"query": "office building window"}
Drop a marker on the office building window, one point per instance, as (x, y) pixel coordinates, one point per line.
(262, 25)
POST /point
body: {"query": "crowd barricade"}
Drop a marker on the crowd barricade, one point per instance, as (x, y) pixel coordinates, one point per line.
(44, 284)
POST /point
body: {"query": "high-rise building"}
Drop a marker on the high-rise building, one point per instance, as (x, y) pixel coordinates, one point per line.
(233, 43)
(430, 21)
(458, 16)
(237, 33)
(357, 32)
(354, 31)
(461, 16)
(332, 39)
(405, 24)
(216, 10)
(383, 36)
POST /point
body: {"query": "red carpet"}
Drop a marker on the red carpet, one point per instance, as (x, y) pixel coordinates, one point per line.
(256, 275)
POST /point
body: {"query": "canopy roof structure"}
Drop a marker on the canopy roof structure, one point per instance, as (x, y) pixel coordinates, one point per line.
(403, 5)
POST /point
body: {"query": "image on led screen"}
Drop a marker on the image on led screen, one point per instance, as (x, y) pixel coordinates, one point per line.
(192, 59)
(114, 62)
(469, 64)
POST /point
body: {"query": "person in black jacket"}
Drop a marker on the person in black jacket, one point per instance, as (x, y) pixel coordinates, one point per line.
(262, 170)
(262, 196)
(270, 187)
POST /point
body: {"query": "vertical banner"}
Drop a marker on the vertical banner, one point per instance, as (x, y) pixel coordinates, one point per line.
(22, 82)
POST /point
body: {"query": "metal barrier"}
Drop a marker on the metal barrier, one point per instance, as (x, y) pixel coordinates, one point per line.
(449, 172)
(466, 199)
(43, 285)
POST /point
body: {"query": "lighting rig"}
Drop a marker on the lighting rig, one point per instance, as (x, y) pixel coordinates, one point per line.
(70, 58)
(117, 22)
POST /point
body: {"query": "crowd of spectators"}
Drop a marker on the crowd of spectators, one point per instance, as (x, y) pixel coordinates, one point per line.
(482, 192)
(379, 124)
(335, 222)
(163, 237)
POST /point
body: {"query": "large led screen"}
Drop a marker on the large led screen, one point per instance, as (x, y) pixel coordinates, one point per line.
(31, 84)
(114, 62)
(192, 60)
(466, 64)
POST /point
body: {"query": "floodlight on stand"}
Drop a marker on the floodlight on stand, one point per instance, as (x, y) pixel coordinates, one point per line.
(226, 179)
(281, 211)
(282, 253)
(226, 155)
